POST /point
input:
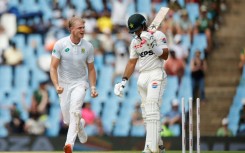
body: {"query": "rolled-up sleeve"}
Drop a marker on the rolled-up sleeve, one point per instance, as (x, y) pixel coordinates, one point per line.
(56, 52)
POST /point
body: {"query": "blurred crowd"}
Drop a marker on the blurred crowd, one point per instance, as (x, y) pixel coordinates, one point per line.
(106, 29)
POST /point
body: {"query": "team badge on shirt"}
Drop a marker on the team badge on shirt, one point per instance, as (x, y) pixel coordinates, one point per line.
(67, 49)
(154, 85)
(83, 50)
(54, 51)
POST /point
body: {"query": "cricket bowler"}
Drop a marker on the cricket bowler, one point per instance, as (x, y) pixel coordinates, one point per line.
(72, 57)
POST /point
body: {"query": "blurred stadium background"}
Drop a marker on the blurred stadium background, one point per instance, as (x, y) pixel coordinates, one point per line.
(29, 29)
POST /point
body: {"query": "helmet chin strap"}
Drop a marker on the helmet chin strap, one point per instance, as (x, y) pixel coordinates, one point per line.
(135, 36)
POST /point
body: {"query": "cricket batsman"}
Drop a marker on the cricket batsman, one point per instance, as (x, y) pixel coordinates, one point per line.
(150, 50)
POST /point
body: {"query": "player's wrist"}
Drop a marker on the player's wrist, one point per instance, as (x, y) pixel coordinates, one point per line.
(93, 88)
(124, 78)
(56, 86)
(124, 82)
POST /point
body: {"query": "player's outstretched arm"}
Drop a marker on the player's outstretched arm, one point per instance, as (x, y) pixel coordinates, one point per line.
(53, 74)
(130, 68)
(92, 79)
(119, 87)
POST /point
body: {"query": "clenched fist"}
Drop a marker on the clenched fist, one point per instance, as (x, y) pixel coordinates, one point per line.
(94, 93)
(59, 89)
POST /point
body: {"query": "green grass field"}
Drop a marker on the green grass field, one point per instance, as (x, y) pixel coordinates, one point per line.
(124, 152)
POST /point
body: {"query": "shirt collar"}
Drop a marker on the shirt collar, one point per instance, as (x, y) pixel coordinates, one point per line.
(79, 44)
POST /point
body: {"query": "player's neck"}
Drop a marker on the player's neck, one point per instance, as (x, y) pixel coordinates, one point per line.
(74, 39)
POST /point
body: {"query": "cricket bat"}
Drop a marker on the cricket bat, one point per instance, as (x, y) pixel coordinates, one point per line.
(158, 19)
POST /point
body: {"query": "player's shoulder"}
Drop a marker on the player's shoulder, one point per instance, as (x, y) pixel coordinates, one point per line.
(160, 37)
(87, 44)
(159, 33)
(62, 41)
(134, 40)
(134, 43)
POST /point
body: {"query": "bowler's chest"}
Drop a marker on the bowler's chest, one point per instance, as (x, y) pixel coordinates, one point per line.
(74, 53)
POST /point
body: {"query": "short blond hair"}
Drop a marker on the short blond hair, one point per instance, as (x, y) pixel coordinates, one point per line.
(73, 19)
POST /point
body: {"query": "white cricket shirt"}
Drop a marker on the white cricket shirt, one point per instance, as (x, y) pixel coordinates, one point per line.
(146, 58)
(73, 58)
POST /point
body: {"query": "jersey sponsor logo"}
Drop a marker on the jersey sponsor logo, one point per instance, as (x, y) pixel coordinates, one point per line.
(67, 49)
(143, 54)
(154, 85)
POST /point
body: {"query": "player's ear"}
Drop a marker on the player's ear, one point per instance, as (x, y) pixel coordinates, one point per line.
(69, 29)
(69, 25)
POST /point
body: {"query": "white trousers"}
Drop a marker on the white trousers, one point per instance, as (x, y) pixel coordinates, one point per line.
(151, 85)
(71, 101)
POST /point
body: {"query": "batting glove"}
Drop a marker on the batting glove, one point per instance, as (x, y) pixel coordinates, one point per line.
(119, 87)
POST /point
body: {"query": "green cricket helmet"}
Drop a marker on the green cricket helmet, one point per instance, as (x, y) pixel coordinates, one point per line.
(135, 22)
